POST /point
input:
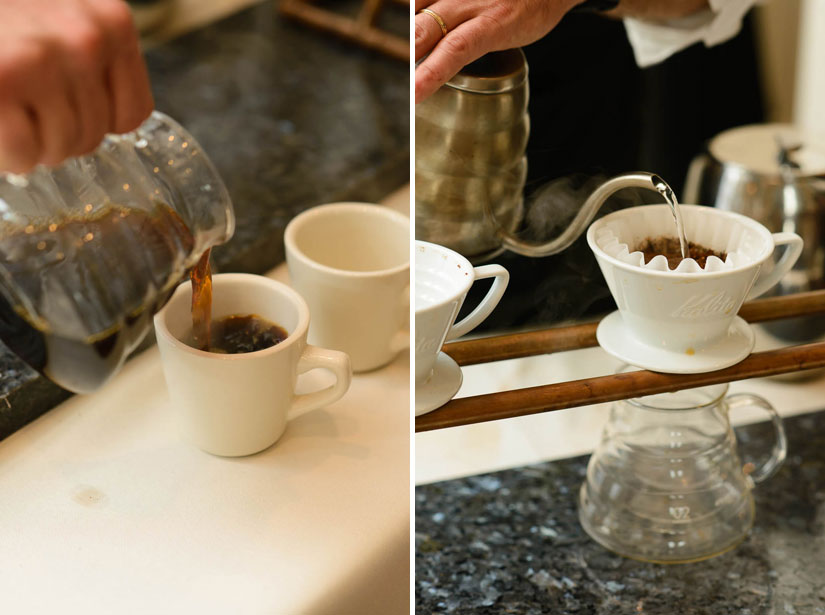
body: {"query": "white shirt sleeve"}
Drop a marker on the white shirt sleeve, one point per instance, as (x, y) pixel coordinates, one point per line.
(655, 41)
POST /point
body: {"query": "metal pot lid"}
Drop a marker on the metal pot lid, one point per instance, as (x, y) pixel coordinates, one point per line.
(493, 73)
(767, 148)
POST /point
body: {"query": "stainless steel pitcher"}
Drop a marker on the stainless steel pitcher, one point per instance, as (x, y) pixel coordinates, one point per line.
(774, 173)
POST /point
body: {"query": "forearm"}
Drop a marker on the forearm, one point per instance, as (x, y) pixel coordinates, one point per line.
(658, 9)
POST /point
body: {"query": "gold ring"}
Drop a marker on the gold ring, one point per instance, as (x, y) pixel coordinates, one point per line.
(438, 20)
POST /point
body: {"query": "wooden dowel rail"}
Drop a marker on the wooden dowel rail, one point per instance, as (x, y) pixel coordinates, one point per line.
(559, 339)
(361, 29)
(532, 400)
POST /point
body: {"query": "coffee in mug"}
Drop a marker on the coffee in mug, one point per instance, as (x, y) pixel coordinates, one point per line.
(241, 333)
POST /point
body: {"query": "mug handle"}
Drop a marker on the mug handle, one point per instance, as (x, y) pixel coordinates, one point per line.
(487, 305)
(788, 260)
(780, 448)
(332, 360)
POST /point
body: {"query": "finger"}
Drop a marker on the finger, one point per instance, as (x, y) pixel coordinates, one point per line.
(127, 81)
(57, 123)
(422, 4)
(427, 29)
(90, 99)
(452, 53)
(19, 140)
(131, 95)
(427, 34)
(84, 61)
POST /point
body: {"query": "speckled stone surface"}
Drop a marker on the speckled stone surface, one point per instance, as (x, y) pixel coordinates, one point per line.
(291, 117)
(510, 542)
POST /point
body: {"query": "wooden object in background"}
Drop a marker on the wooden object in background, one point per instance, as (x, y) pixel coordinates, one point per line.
(532, 400)
(361, 30)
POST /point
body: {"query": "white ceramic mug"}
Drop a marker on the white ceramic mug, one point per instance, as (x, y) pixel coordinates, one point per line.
(687, 311)
(239, 404)
(442, 280)
(351, 262)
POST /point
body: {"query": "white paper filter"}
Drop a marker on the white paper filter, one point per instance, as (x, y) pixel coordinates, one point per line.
(618, 236)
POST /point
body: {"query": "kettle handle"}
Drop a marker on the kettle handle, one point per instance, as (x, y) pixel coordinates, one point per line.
(582, 219)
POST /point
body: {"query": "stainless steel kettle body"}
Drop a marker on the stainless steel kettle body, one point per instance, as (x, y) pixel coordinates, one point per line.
(470, 167)
(470, 164)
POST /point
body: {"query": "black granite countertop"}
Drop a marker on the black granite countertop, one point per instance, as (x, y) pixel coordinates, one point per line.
(291, 117)
(510, 542)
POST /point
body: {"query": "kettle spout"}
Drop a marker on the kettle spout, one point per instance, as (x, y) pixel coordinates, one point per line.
(586, 214)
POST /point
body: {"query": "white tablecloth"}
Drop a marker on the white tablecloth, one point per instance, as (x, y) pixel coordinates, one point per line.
(104, 509)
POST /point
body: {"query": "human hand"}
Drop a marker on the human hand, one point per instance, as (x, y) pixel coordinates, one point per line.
(70, 72)
(476, 27)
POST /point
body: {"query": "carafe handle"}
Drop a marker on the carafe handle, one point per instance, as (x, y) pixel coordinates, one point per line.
(780, 447)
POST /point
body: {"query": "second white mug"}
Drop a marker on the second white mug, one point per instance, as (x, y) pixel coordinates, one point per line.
(351, 262)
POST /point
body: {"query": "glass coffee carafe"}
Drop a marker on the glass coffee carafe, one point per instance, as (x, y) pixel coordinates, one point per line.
(90, 250)
(666, 483)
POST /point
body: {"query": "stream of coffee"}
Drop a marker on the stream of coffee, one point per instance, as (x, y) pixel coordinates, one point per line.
(233, 334)
(201, 276)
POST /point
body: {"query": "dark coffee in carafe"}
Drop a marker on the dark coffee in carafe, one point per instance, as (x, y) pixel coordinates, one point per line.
(115, 264)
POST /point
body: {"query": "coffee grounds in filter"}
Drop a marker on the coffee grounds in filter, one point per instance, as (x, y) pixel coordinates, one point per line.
(670, 248)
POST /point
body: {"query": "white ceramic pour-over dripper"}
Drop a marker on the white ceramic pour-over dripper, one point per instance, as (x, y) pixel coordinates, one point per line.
(687, 310)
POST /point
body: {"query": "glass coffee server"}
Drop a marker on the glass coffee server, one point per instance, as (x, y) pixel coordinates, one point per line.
(666, 483)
